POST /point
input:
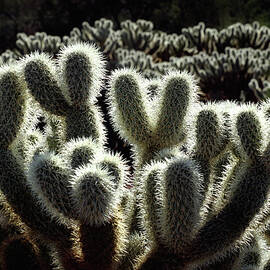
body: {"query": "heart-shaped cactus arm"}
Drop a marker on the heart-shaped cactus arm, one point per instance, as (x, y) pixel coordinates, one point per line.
(82, 71)
(69, 88)
(180, 215)
(48, 178)
(97, 190)
(12, 104)
(177, 97)
(251, 132)
(128, 107)
(40, 74)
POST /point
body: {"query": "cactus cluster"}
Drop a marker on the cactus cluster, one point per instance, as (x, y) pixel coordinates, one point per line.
(195, 197)
(237, 53)
(237, 74)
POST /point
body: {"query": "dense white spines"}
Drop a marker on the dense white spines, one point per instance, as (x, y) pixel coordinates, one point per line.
(49, 180)
(12, 104)
(40, 74)
(80, 151)
(251, 131)
(82, 70)
(128, 106)
(180, 217)
(94, 195)
(178, 94)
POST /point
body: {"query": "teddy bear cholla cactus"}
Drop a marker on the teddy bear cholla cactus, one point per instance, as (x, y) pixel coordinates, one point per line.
(172, 187)
(79, 205)
(72, 199)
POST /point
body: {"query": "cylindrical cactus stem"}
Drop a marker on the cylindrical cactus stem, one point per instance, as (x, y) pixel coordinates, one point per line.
(179, 217)
(210, 132)
(223, 193)
(14, 186)
(49, 180)
(96, 199)
(103, 246)
(82, 68)
(40, 74)
(136, 251)
(79, 152)
(116, 167)
(217, 182)
(251, 132)
(94, 194)
(149, 201)
(177, 95)
(12, 104)
(85, 121)
(249, 206)
(54, 132)
(128, 109)
(224, 263)
(210, 139)
(265, 108)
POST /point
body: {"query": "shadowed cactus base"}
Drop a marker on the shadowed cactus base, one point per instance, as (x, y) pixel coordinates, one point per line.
(197, 197)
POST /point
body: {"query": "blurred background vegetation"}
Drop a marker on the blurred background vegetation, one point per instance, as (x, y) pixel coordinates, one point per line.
(58, 17)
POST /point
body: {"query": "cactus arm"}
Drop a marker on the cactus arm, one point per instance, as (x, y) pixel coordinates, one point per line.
(96, 193)
(178, 94)
(248, 205)
(12, 104)
(128, 107)
(39, 72)
(49, 181)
